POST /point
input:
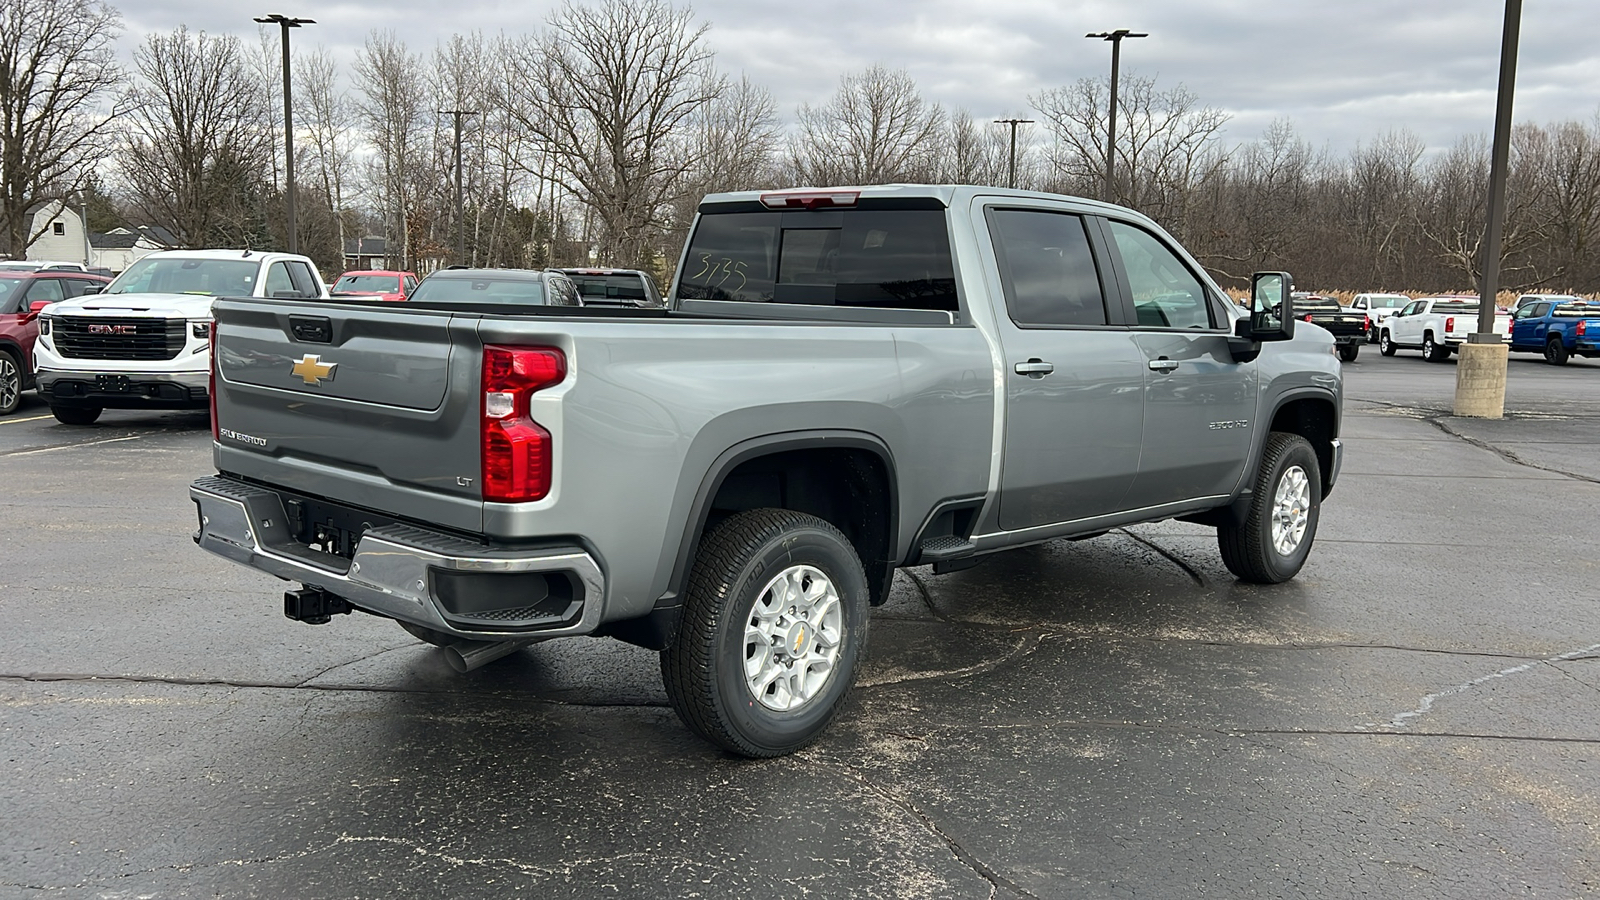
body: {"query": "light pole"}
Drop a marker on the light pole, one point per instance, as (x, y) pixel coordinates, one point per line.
(1481, 370)
(287, 23)
(1115, 37)
(461, 222)
(1011, 177)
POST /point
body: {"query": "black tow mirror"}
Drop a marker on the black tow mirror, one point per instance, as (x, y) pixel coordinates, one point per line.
(93, 289)
(1271, 308)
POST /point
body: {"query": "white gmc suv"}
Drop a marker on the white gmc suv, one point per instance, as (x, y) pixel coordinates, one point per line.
(145, 341)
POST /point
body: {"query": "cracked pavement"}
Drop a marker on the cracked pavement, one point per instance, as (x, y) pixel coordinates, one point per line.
(1418, 714)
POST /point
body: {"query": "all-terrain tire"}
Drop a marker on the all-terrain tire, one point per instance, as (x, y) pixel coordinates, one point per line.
(1555, 352)
(746, 559)
(1252, 551)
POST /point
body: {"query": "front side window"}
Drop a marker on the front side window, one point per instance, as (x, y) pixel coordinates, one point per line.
(1046, 268)
(894, 259)
(1165, 293)
(45, 289)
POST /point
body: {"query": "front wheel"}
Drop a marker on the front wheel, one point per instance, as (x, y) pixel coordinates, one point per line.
(1555, 352)
(774, 621)
(1385, 346)
(1275, 539)
(1348, 352)
(75, 415)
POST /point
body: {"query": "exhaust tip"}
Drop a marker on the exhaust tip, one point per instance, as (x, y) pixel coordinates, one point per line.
(464, 656)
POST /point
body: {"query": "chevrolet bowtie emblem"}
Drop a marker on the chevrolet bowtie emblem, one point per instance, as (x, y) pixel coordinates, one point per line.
(313, 370)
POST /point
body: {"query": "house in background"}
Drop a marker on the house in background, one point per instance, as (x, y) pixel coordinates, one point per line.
(62, 237)
(366, 254)
(120, 248)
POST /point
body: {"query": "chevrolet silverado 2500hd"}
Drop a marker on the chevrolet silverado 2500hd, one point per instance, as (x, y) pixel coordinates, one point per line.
(845, 381)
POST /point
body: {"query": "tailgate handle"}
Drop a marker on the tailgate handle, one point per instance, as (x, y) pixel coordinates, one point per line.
(312, 329)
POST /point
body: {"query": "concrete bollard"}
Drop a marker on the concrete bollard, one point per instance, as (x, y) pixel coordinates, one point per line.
(1481, 380)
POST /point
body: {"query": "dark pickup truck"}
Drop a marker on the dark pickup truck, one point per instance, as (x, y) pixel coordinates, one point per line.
(1349, 329)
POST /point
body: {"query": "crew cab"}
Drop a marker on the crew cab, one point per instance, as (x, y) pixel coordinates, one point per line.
(1377, 308)
(1349, 329)
(1437, 326)
(846, 382)
(1559, 329)
(145, 341)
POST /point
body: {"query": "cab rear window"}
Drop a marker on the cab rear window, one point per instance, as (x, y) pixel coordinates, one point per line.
(890, 259)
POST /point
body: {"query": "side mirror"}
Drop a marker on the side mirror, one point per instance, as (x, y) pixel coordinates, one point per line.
(93, 289)
(1271, 308)
(37, 305)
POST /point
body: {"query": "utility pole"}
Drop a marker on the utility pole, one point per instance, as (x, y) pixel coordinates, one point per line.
(461, 222)
(1011, 176)
(1481, 371)
(1115, 37)
(287, 23)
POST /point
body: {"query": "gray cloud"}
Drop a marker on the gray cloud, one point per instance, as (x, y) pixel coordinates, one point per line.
(1343, 72)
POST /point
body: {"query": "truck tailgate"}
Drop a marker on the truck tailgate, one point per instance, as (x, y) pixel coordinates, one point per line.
(303, 390)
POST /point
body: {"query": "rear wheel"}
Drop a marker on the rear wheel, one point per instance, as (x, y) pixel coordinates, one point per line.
(1385, 346)
(1433, 352)
(75, 415)
(1555, 352)
(1275, 539)
(773, 623)
(10, 383)
(1348, 352)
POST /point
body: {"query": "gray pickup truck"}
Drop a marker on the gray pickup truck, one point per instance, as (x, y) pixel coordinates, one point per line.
(844, 382)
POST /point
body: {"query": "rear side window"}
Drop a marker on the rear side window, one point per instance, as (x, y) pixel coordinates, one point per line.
(1047, 268)
(509, 291)
(893, 259)
(1165, 293)
(627, 288)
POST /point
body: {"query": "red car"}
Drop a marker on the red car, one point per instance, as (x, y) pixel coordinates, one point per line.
(377, 284)
(22, 294)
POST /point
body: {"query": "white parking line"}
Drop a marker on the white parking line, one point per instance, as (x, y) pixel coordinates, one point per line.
(70, 446)
(29, 419)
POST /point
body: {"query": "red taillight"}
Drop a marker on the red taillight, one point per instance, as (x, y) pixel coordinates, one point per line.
(1366, 323)
(809, 199)
(517, 460)
(1583, 328)
(211, 385)
(1307, 317)
(1450, 324)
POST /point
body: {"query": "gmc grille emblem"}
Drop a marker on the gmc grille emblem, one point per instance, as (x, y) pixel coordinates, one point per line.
(113, 329)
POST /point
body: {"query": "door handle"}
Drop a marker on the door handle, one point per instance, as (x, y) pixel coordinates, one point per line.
(1035, 368)
(1163, 364)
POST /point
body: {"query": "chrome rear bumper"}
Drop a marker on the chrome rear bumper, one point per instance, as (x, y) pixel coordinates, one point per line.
(392, 570)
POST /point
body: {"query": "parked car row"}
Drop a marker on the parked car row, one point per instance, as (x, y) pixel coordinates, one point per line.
(89, 343)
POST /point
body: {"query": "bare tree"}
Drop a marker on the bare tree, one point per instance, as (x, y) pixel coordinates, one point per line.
(876, 129)
(57, 63)
(609, 91)
(198, 159)
(392, 109)
(980, 153)
(328, 117)
(1166, 141)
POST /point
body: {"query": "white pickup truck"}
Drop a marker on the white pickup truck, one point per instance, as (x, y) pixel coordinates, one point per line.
(145, 341)
(1436, 325)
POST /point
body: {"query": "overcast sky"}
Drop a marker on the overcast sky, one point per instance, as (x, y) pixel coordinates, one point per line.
(1343, 71)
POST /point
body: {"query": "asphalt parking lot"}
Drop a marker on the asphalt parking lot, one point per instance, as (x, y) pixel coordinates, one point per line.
(1417, 715)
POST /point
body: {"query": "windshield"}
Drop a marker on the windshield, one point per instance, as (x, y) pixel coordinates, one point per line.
(510, 291)
(175, 275)
(1387, 302)
(375, 284)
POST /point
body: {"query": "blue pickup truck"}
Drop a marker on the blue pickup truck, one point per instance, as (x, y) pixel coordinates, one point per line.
(1558, 329)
